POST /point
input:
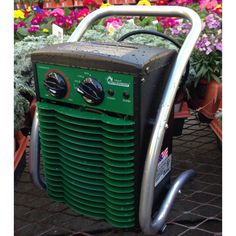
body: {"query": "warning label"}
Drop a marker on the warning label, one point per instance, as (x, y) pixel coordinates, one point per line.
(164, 166)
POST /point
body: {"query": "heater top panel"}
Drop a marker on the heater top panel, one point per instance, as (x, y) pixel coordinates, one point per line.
(116, 57)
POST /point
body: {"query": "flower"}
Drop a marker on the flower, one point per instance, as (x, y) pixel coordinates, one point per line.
(218, 9)
(212, 21)
(80, 14)
(28, 9)
(37, 9)
(105, 5)
(169, 22)
(15, 27)
(57, 12)
(92, 3)
(22, 24)
(38, 19)
(112, 24)
(218, 46)
(208, 4)
(144, 3)
(33, 29)
(45, 30)
(161, 2)
(68, 22)
(19, 14)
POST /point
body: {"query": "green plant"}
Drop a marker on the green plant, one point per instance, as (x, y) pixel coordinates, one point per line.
(206, 59)
(23, 74)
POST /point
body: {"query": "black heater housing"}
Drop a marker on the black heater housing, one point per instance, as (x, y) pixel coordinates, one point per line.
(115, 83)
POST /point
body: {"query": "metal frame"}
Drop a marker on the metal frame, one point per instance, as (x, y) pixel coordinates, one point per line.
(148, 225)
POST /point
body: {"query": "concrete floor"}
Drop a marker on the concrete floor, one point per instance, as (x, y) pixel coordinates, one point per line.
(197, 211)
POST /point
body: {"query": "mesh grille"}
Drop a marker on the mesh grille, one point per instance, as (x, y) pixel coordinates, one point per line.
(89, 162)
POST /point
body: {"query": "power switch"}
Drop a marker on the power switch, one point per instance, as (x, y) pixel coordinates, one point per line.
(126, 95)
(111, 92)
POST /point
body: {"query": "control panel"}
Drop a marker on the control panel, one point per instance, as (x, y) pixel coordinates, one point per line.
(102, 90)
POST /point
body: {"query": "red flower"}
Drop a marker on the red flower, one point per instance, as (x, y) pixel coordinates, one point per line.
(80, 14)
(33, 28)
(38, 19)
(161, 2)
(169, 22)
(113, 19)
(21, 24)
(90, 3)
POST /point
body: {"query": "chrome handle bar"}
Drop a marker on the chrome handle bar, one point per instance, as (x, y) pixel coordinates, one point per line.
(149, 225)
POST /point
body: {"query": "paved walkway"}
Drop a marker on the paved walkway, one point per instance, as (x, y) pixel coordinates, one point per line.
(197, 211)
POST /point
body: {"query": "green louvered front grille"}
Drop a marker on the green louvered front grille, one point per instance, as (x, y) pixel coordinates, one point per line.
(89, 162)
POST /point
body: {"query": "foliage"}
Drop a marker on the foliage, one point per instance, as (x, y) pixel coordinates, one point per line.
(23, 74)
(206, 59)
(34, 25)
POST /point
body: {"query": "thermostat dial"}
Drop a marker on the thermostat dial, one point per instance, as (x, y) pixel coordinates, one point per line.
(91, 90)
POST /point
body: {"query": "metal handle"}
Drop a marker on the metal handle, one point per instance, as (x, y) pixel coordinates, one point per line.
(149, 225)
(34, 160)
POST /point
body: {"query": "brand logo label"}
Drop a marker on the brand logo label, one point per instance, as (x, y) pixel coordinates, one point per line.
(116, 82)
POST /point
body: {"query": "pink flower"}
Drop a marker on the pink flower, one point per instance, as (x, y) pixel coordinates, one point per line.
(208, 4)
(57, 12)
(80, 14)
(219, 46)
(161, 2)
(38, 19)
(90, 3)
(21, 24)
(68, 22)
(112, 24)
(169, 22)
(33, 28)
(114, 20)
(184, 2)
(15, 27)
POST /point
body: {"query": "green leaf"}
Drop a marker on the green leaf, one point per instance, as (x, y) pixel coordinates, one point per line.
(22, 31)
(66, 11)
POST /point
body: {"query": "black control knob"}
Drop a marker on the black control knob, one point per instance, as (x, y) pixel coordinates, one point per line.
(55, 84)
(91, 91)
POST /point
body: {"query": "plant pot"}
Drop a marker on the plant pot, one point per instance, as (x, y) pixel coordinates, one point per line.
(216, 126)
(179, 118)
(197, 94)
(49, 4)
(210, 104)
(121, 2)
(65, 3)
(78, 3)
(35, 4)
(26, 5)
(21, 142)
(18, 5)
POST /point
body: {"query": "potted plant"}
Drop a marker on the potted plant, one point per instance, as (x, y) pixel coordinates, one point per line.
(48, 4)
(24, 95)
(18, 4)
(64, 3)
(204, 84)
(216, 123)
(78, 3)
(26, 3)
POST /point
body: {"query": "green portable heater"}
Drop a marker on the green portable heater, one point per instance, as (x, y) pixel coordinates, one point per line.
(96, 111)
